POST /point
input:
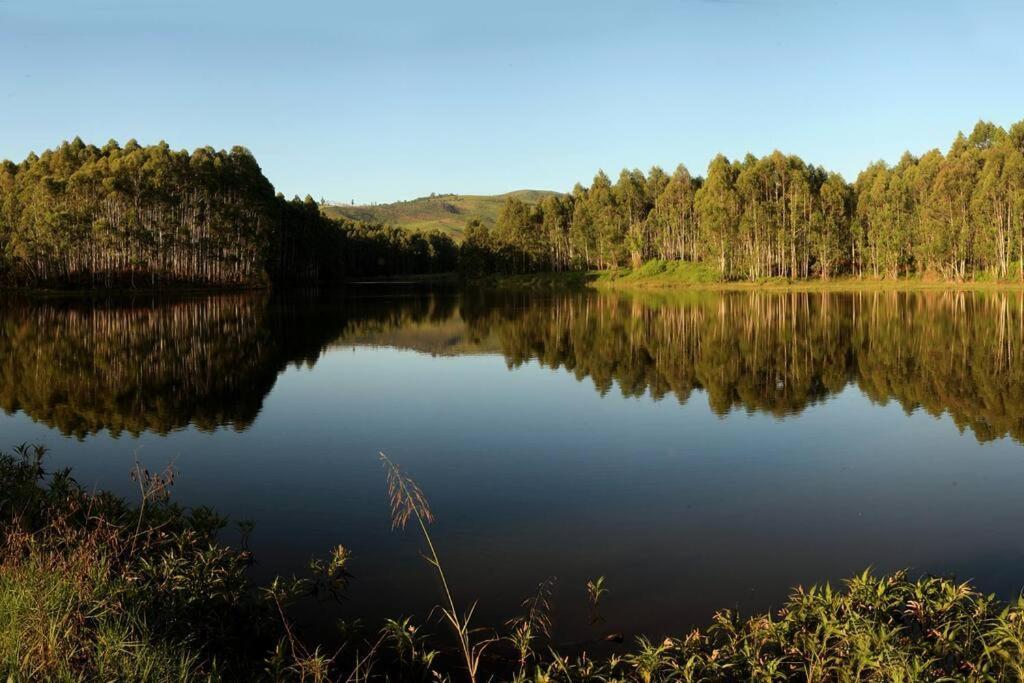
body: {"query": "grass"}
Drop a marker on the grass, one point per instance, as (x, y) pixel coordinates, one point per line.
(661, 273)
(677, 275)
(654, 274)
(59, 620)
(92, 588)
(408, 502)
(878, 628)
(658, 274)
(448, 213)
(538, 281)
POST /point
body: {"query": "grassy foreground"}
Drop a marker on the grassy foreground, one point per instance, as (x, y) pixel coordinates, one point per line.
(92, 588)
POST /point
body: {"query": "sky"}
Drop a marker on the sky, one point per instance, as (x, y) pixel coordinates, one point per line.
(382, 100)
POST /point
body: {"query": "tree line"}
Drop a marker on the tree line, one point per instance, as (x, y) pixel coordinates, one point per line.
(135, 215)
(956, 215)
(145, 215)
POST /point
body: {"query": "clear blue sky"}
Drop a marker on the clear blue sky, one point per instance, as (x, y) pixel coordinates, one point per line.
(382, 100)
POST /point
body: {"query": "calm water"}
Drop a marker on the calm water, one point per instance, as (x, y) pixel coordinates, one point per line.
(699, 450)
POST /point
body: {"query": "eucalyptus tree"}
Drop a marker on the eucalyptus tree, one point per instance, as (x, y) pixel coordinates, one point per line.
(146, 215)
(956, 215)
(135, 215)
(718, 206)
(673, 221)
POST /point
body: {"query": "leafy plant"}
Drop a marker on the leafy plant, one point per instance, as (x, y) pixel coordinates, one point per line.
(595, 591)
(536, 623)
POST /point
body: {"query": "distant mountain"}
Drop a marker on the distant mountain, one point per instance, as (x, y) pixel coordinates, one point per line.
(446, 212)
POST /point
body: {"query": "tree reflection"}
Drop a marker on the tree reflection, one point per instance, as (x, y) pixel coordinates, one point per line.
(155, 365)
(944, 352)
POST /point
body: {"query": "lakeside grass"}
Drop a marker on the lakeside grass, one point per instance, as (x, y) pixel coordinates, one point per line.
(684, 275)
(93, 588)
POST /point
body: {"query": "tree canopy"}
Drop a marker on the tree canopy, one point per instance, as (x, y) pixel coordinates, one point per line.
(135, 215)
(81, 214)
(957, 215)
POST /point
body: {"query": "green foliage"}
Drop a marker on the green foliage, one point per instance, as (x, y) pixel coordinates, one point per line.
(84, 215)
(956, 216)
(147, 216)
(878, 628)
(595, 591)
(660, 272)
(59, 621)
(92, 587)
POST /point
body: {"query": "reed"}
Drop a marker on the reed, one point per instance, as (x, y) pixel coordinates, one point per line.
(408, 502)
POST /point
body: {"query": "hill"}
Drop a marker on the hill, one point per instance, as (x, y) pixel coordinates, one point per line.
(446, 212)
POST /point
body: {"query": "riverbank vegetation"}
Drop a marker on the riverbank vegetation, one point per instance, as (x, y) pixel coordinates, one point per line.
(657, 274)
(92, 587)
(135, 216)
(954, 216)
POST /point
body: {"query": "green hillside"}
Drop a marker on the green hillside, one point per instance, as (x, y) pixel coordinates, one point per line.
(445, 212)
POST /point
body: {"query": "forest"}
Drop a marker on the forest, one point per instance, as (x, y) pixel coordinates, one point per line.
(82, 215)
(953, 216)
(134, 216)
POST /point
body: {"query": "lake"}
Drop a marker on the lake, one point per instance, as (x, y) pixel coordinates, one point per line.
(700, 450)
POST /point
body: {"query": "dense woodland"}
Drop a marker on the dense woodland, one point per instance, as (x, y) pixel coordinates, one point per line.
(958, 215)
(133, 215)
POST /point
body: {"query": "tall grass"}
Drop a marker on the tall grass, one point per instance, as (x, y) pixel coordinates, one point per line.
(92, 588)
(60, 619)
(408, 502)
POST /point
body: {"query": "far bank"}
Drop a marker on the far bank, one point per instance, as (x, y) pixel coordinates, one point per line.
(674, 275)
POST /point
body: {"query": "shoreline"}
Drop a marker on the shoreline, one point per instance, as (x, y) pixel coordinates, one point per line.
(820, 286)
(132, 577)
(622, 280)
(83, 292)
(626, 280)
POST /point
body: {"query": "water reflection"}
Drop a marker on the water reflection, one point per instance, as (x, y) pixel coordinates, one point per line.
(153, 365)
(946, 352)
